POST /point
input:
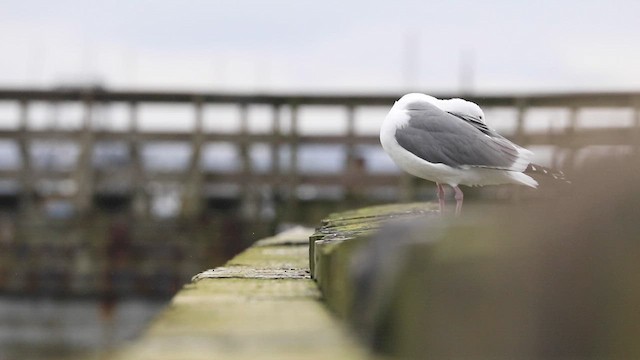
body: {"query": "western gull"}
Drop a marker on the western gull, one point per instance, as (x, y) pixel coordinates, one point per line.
(448, 142)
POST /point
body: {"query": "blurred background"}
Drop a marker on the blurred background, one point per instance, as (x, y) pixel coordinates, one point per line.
(144, 141)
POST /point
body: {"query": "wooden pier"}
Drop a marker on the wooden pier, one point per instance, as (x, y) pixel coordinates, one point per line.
(90, 182)
(72, 225)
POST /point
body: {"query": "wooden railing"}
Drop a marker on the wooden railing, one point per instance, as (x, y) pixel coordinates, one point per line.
(194, 179)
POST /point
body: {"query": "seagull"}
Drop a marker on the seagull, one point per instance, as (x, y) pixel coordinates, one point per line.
(448, 142)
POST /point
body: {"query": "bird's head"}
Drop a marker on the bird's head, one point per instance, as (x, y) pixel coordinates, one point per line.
(463, 107)
(416, 101)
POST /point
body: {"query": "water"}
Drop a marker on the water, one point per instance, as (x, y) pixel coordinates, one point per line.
(70, 328)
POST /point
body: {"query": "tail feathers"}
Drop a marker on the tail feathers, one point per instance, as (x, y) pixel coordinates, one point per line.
(535, 169)
(523, 179)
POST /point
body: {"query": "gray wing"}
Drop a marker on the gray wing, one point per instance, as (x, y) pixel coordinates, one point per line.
(476, 124)
(439, 137)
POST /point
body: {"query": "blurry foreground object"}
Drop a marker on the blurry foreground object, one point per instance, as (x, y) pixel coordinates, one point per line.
(551, 279)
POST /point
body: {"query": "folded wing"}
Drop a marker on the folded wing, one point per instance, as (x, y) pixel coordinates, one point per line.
(458, 141)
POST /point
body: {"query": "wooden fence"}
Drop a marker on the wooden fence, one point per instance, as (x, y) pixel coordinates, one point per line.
(85, 175)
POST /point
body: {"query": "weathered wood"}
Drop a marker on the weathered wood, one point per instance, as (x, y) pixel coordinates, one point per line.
(140, 196)
(276, 140)
(25, 175)
(283, 185)
(636, 124)
(84, 175)
(581, 137)
(553, 279)
(293, 175)
(521, 112)
(260, 305)
(578, 99)
(570, 142)
(192, 203)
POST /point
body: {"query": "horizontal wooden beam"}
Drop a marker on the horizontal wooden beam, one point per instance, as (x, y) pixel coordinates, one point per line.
(98, 94)
(579, 137)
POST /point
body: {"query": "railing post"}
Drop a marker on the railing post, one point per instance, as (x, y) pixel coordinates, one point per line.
(571, 146)
(351, 132)
(192, 195)
(354, 166)
(276, 141)
(26, 174)
(407, 187)
(140, 196)
(275, 173)
(636, 124)
(247, 197)
(519, 135)
(84, 172)
(293, 180)
(521, 111)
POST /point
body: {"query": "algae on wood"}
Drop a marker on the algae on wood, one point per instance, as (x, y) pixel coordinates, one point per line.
(332, 246)
(261, 305)
(360, 222)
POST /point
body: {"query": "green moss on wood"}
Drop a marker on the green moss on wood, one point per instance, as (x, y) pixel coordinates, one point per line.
(258, 313)
(363, 222)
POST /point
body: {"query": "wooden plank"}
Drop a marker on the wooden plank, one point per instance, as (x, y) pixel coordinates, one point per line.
(303, 179)
(261, 304)
(579, 99)
(600, 136)
(73, 135)
(582, 137)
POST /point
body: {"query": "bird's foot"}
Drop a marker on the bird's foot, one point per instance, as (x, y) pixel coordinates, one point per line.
(441, 197)
(459, 196)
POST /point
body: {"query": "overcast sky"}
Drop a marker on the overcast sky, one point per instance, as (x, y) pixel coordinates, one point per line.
(240, 45)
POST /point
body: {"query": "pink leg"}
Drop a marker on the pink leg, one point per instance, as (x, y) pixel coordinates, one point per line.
(459, 197)
(441, 197)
